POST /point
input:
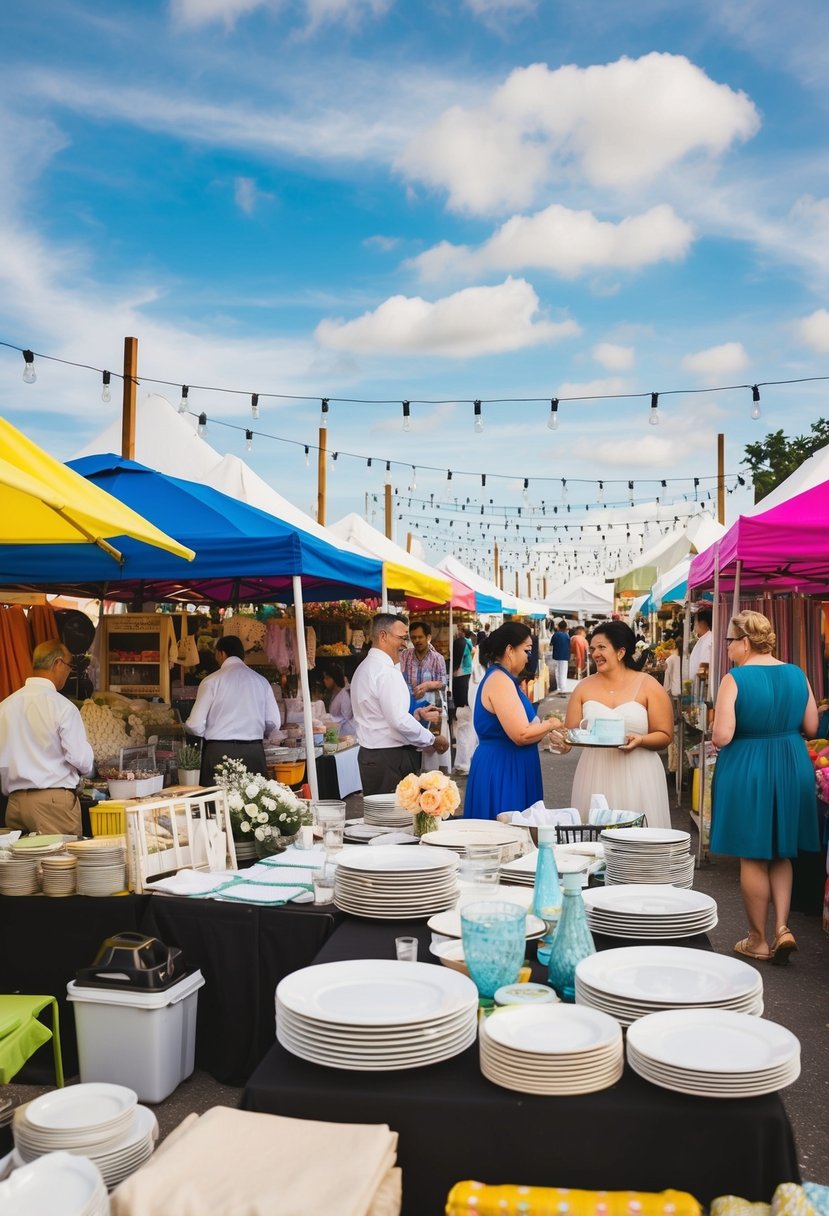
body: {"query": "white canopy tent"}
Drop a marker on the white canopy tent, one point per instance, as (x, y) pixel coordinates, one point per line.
(582, 599)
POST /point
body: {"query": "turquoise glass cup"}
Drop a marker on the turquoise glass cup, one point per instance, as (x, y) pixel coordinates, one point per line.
(494, 941)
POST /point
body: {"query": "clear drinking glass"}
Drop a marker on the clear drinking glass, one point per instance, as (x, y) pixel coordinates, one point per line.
(406, 949)
(323, 880)
(494, 942)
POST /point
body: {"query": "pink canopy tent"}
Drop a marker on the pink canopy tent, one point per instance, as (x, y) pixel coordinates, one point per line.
(785, 548)
(462, 597)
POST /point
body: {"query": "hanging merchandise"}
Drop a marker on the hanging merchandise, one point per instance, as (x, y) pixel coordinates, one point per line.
(187, 651)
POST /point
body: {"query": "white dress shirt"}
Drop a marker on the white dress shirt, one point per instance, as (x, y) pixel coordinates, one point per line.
(234, 703)
(340, 711)
(43, 744)
(700, 654)
(380, 704)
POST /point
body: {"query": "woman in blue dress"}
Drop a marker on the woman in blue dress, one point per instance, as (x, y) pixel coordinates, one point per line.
(505, 774)
(764, 807)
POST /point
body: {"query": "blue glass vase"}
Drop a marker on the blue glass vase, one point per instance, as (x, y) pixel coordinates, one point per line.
(547, 892)
(572, 942)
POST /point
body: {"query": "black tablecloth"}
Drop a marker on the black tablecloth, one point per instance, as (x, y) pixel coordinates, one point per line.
(44, 941)
(243, 952)
(454, 1124)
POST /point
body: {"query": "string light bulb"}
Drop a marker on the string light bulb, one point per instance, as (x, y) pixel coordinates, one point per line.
(407, 423)
(654, 414)
(526, 495)
(248, 441)
(323, 413)
(307, 452)
(564, 489)
(106, 395)
(755, 398)
(552, 421)
(29, 373)
(254, 406)
(479, 422)
(184, 405)
(388, 472)
(202, 424)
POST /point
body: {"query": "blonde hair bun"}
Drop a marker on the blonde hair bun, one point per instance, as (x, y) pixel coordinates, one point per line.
(757, 628)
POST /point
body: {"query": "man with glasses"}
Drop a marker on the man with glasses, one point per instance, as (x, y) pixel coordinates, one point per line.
(43, 748)
(391, 739)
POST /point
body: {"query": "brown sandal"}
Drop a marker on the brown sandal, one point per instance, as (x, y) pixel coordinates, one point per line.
(783, 945)
(743, 948)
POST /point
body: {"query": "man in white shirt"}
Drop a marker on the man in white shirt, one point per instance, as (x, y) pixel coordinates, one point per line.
(702, 650)
(43, 748)
(391, 738)
(234, 710)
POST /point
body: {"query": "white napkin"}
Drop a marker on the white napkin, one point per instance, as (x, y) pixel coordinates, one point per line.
(191, 882)
(598, 802)
(266, 893)
(265, 872)
(538, 815)
(292, 856)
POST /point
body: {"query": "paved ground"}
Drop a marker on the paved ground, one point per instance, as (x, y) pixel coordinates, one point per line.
(795, 996)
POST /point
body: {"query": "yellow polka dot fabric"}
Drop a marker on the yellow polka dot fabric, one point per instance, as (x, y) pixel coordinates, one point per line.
(467, 1198)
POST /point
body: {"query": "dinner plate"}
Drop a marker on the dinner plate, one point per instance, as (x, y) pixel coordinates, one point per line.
(553, 1029)
(638, 836)
(395, 857)
(88, 1106)
(648, 900)
(366, 1036)
(448, 924)
(419, 1058)
(714, 1040)
(667, 973)
(455, 837)
(57, 1183)
(376, 992)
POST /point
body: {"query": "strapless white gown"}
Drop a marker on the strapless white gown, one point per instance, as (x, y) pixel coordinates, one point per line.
(630, 781)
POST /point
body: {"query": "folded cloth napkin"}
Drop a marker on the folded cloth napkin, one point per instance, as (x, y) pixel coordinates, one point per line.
(263, 871)
(225, 1164)
(292, 856)
(242, 892)
(475, 1197)
(538, 816)
(192, 882)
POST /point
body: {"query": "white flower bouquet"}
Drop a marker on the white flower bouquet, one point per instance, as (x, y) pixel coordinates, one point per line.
(260, 809)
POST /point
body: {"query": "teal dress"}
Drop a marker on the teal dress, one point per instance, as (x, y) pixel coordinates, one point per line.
(502, 776)
(764, 801)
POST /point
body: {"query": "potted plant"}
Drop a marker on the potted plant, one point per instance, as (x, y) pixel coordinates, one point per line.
(188, 759)
(262, 812)
(330, 740)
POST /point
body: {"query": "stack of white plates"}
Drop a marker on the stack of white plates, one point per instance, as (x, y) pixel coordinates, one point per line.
(459, 833)
(551, 1049)
(521, 871)
(382, 811)
(713, 1053)
(101, 867)
(358, 832)
(116, 1161)
(376, 1015)
(659, 855)
(649, 911)
(634, 981)
(57, 1183)
(448, 924)
(18, 876)
(85, 1118)
(395, 882)
(59, 874)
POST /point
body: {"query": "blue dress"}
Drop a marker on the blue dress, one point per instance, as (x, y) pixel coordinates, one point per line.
(764, 801)
(502, 776)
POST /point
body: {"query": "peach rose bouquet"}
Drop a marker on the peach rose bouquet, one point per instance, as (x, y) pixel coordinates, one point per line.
(429, 797)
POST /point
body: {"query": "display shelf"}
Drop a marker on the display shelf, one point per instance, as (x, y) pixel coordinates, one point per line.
(135, 654)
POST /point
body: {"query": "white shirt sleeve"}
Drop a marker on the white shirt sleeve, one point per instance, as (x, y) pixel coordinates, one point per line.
(196, 724)
(393, 695)
(76, 747)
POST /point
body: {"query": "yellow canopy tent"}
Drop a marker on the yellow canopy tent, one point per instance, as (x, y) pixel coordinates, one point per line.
(42, 502)
(402, 572)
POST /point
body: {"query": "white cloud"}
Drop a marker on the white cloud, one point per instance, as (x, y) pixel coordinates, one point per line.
(247, 194)
(475, 321)
(811, 211)
(724, 360)
(565, 242)
(612, 386)
(384, 243)
(616, 125)
(193, 13)
(813, 331)
(614, 358)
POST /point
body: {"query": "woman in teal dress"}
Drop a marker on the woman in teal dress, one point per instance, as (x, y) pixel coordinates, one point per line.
(764, 801)
(505, 774)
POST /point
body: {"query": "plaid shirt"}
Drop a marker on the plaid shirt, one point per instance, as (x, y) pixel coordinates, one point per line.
(431, 667)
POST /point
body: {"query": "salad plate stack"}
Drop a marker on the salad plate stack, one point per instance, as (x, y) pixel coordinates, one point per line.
(648, 855)
(101, 866)
(395, 882)
(376, 1015)
(58, 1182)
(18, 876)
(551, 1049)
(634, 981)
(458, 834)
(382, 811)
(115, 1159)
(59, 875)
(521, 871)
(652, 912)
(713, 1053)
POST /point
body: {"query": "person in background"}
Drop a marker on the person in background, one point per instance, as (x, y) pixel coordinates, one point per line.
(578, 649)
(560, 651)
(233, 712)
(763, 796)
(423, 668)
(461, 669)
(391, 738)
(701, 652)
(44, 750)
(505, 774)
(339, 707)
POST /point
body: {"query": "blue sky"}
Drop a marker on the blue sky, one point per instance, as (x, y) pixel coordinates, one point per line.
(441, 201)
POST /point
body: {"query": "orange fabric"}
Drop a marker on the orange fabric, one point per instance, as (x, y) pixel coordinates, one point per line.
(42, 623)
(15, 649)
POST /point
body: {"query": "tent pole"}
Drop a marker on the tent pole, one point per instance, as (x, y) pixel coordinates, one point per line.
(735, 603)
(307, 719)
(448, 689)
(128, 406)
(384, 602)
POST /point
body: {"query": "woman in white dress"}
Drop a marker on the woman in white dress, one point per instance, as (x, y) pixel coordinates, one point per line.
(340, 705)
(631, 777)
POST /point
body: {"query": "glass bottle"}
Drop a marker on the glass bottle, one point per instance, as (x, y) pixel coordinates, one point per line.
(547, 891)
(573, 940)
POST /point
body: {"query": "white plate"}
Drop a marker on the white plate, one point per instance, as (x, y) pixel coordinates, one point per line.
(639, 836)
(395, 857)
(552, 1029)
(667, 974)
(369, 1037)
(94, 1104)
(456, 837)
(648, 900)
(448, 924)
(714, 1041)
(60, 1183)
(376, 992)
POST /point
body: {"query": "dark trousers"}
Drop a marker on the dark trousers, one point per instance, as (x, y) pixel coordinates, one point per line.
(251, 753)
(381, 768)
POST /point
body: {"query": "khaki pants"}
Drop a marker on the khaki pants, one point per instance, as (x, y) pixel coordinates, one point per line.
(50, 812)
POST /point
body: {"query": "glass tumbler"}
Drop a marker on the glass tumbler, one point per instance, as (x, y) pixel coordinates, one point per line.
(494, 943)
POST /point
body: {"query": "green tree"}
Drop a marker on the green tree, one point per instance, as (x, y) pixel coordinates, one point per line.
(777, 457)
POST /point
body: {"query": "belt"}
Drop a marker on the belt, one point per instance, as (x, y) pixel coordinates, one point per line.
(52, 789)
(245, 741)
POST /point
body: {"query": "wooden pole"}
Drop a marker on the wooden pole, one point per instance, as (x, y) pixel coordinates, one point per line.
(408, 542)
(721, 478)
(128, 407)
(388, 510)
(544, 585)
(529, 585)
(501, 577)
(495, 565)
(517, 592)
(322, 475)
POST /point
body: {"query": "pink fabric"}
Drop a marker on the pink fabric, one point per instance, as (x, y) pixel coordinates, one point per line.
(787, 547)
(462, 597)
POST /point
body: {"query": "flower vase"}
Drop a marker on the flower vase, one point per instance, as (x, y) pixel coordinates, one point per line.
(272, 841)
(424, 823)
